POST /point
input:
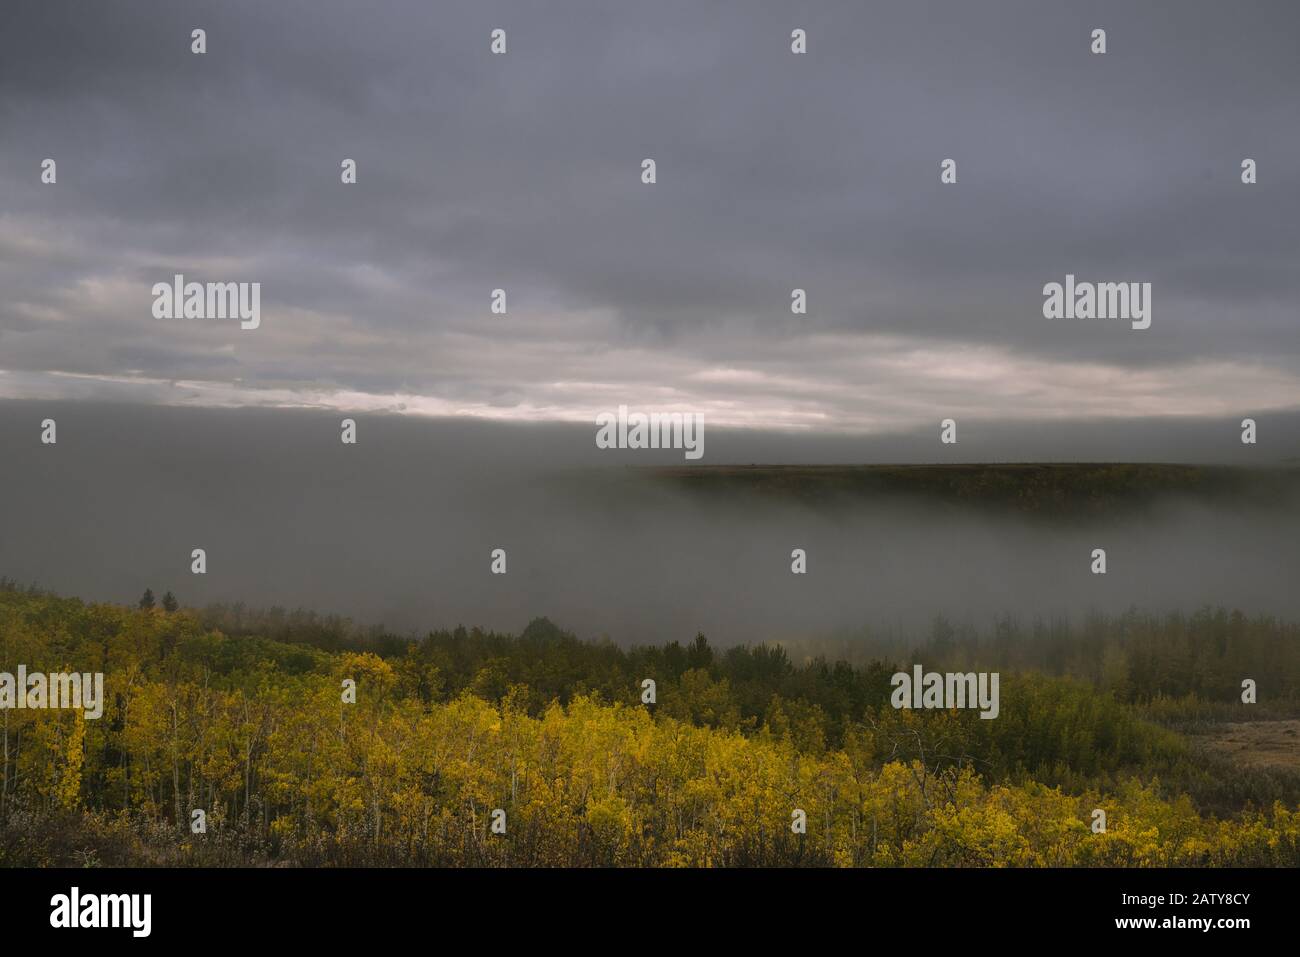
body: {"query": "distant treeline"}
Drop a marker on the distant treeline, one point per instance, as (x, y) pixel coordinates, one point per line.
(1138, 658)
(1049, 490)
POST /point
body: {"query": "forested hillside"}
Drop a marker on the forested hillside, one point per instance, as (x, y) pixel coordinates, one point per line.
(244, 716)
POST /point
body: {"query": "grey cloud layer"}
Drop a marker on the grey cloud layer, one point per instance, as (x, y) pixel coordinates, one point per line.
(775, 171)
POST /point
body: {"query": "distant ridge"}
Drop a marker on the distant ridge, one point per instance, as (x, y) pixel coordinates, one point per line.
(1057, 489)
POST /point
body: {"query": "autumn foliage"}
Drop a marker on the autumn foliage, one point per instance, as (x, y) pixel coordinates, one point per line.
(256, 733)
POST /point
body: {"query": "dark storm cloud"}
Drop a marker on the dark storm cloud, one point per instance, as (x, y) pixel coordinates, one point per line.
(775, 171)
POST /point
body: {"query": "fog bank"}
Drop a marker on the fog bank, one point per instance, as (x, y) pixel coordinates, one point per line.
(398, 529)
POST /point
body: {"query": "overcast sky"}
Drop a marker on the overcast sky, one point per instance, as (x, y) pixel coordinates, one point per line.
(522, 171)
